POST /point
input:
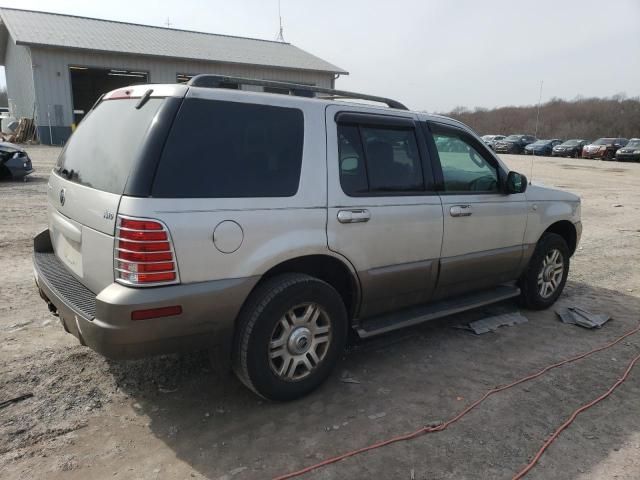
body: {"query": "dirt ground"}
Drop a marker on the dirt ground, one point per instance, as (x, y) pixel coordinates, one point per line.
(177, 417)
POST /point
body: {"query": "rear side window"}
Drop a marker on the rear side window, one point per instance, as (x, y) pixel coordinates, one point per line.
(227, 149)
(107, 142)
(379, 160)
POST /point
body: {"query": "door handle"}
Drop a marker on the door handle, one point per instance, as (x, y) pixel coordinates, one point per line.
(460, 211)
(354, 216)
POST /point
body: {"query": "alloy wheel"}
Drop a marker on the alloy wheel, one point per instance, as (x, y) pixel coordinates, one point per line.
(299, 342)
(551, 273)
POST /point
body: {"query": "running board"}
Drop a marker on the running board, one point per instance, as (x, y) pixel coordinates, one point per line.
(415, 315)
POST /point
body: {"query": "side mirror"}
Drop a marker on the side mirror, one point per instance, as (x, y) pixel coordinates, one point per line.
(516, 182)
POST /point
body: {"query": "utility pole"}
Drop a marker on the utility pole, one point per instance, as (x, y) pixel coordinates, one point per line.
(536, 135)
(538, 114)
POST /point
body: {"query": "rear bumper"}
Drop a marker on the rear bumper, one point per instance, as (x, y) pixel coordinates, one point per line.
(103, 321)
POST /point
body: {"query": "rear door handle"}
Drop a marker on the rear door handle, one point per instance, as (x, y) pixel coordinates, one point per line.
(460, 210)
(358, 215)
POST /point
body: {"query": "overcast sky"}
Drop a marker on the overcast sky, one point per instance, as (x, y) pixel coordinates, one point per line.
(431, 55)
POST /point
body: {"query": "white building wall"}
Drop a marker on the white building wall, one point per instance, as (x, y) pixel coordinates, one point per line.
(53, 80)
(19, 77)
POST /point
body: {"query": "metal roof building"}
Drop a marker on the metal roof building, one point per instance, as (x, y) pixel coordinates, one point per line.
(58, 65)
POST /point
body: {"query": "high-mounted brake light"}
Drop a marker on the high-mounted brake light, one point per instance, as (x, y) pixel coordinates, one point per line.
(122, 93)
(143, 254)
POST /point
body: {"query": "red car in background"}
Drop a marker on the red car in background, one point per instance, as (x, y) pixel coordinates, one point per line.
(604, 148)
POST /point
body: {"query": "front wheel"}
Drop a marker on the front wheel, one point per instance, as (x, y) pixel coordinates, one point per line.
(543, 281)
(289, 337)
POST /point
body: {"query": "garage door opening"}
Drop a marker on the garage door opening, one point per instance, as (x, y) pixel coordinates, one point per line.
(88, 83)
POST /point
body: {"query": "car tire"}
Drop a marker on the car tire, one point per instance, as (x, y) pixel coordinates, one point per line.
(5, 173)
(289, 336)
(544, 279)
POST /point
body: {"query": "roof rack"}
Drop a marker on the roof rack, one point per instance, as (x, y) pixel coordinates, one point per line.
(217, 81)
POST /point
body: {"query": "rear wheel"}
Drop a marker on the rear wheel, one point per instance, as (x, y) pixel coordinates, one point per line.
(545, 277)
(289, 337)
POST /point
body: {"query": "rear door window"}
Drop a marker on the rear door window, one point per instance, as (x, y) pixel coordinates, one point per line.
(220, 149)
(107, 142)
(353, 173)
(379, 160)
(393, 160)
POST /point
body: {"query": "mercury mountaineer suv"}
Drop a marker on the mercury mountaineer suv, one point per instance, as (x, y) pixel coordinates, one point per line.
(191, 216)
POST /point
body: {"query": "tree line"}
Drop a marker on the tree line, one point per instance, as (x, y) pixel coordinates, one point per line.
(587, 118)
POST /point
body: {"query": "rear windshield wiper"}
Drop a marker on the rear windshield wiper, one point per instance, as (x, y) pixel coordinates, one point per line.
(145, 97)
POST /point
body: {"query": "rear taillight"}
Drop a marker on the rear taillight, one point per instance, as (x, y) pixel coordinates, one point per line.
(144, 254)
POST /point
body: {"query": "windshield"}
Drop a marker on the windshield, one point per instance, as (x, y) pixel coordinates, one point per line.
(633, 144)
(571, 143)
(603, 141)
(101, 151)
(513, 138)
(540, 143)
(486, 138)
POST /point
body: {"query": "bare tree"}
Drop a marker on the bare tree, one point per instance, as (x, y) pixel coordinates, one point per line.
(588, 118)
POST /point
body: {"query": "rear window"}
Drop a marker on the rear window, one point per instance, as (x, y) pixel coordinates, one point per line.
(107, 142)
(222, 149)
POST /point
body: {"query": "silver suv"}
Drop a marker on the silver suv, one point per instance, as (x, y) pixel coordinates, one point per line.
(190, 216)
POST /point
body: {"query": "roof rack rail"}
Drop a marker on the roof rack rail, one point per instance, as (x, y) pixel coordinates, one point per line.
(300, 90)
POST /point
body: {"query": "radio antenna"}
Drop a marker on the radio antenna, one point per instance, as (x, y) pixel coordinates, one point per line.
(280, 37)
(536, 134)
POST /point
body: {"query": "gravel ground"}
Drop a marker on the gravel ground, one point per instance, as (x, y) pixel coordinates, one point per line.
(177, 417)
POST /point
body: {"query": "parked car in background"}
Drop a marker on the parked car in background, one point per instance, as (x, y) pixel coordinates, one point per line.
(630, 152)
(490, 140)
(570, 148)
(513, 143)
(604, 148)
(542, 147)
(14, 162)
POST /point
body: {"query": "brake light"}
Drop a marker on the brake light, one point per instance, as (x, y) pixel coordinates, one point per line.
(144, 254)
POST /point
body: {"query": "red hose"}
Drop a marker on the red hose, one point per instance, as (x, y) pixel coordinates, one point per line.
(445, 425)
(573, 416)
